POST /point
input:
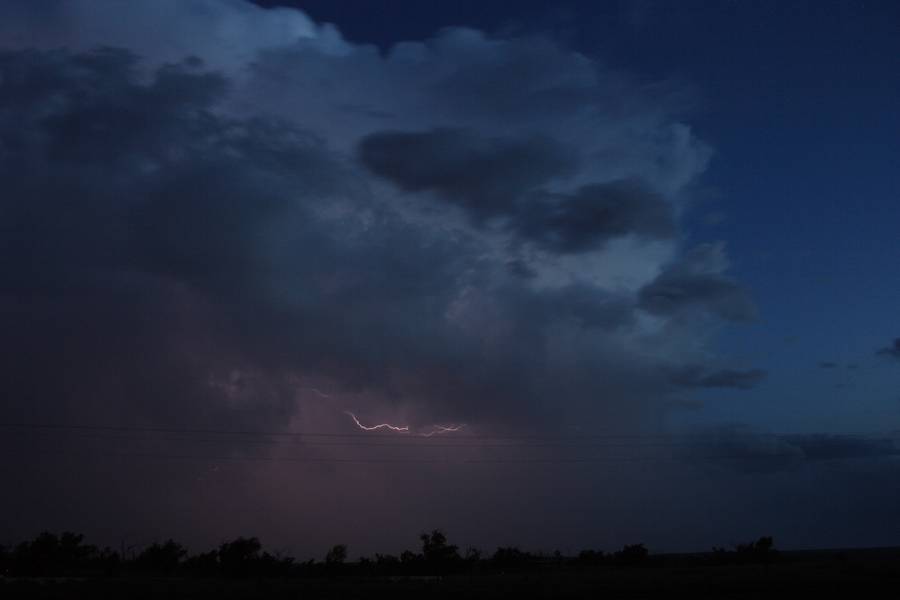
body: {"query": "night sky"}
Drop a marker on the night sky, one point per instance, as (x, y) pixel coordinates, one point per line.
(555, 275)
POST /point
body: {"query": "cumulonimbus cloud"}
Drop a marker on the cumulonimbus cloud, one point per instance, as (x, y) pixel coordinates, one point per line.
(308, 207)
(234, 219)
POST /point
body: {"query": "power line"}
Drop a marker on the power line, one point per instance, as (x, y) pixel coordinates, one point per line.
(412, 436)
(416, 461)
(424, 443)
(564, 444)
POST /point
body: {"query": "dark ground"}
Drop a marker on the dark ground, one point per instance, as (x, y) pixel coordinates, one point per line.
(832, 574)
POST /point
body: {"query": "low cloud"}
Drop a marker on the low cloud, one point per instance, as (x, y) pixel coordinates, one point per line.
(698, 283)
(744, 449)
(699, 377)
(892, 351)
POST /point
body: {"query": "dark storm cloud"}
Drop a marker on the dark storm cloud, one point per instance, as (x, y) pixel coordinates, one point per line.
(696, 283)
(131, 214)
(188, 248)
(194, 249)
(484, 175)
(743, 449)
(218, 245)
(837, 447)
(592, 215)
(700, 377)
(501, 179)
(892, 351)
(827, 364)
(179, 249)
(137, 171)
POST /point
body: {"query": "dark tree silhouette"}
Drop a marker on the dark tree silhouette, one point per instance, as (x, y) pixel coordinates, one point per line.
(436, 550)
(386, 559)
(275, 565)
(408, 557)
(510, 557)
(49, 554)
(240, 557)
(162, 558)
(761, 551)
(205, 563)
(590, 557)
(67, 555)
(633, 555)
(337, 555)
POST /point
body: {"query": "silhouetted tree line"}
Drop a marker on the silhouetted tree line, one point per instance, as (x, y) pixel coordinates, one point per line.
(49, 554)
(67, 555)
(762, 551)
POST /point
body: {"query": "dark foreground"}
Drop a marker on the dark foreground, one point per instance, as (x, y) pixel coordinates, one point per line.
(849, 574)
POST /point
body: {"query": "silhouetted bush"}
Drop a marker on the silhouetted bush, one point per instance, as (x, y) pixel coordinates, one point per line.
(510, 558)
(386, 564)
(438, 555)
(161, 558)
(337, 555)
(633, 555)
(275, 565)
(240, 558)
(762, 551)
(589, 557)
(68, 555)
(48, 554)
(335, 559)
(204, 564)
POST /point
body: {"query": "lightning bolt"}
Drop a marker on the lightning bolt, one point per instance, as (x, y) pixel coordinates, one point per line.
(451, 428)
(403, 429)
(439, 429)
(435, 429)
(318, 392)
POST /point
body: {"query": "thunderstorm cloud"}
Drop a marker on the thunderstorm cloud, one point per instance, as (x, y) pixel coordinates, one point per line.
(365, 227)
(220, 217)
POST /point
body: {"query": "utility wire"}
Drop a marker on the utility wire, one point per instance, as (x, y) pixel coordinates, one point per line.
(455, 436)
(419, 442)
(428, 461)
